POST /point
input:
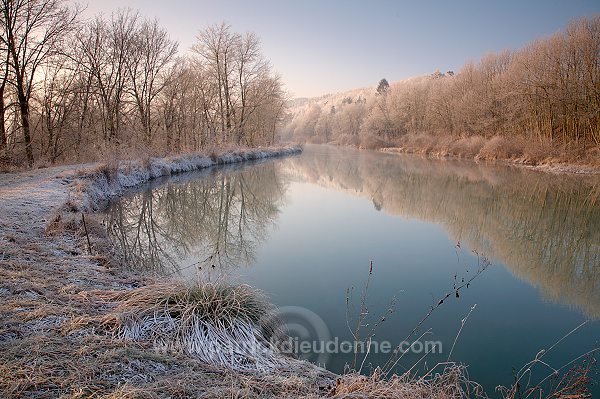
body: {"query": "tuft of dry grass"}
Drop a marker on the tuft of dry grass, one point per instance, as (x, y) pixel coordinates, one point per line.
(499, 148)
(345, 139)
(466, 147)
(228, 326)
(451, 383)
(371, 142)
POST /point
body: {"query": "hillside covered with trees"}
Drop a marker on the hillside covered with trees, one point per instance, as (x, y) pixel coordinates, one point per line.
(536, 104)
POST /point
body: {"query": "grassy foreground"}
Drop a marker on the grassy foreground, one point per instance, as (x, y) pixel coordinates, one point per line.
(68, 311)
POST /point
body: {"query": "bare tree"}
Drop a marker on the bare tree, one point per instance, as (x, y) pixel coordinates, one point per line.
(250, 69)
(107, 47)
(31, 32)
(58, 104)
(216, 46)
(151, 53)
(116, 84)
(4, 70)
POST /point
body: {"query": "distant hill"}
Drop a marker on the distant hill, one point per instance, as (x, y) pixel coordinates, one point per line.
(338, 99)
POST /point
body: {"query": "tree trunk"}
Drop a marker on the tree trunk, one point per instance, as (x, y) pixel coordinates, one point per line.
(3, 138)
(24, 110)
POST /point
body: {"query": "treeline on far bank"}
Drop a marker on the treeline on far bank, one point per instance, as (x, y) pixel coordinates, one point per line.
(74, 90)
(538, 103)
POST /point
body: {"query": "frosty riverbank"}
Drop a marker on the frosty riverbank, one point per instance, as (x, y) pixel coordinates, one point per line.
(55, 294)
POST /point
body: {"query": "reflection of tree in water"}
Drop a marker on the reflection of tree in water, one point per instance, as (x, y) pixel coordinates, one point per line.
(545, 228)
(217, 220)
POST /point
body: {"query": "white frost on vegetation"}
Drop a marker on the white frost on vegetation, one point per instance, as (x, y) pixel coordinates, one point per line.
(102, 184)
(28, 201)
(238, 346)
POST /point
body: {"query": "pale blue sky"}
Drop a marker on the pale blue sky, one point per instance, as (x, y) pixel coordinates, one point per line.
(327, 46)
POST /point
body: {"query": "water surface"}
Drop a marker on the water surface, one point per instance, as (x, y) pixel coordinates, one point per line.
(305, 228)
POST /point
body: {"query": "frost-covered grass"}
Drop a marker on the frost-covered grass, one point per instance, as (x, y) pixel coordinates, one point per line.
(222, 325)
(450, 382)
(110, 179)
